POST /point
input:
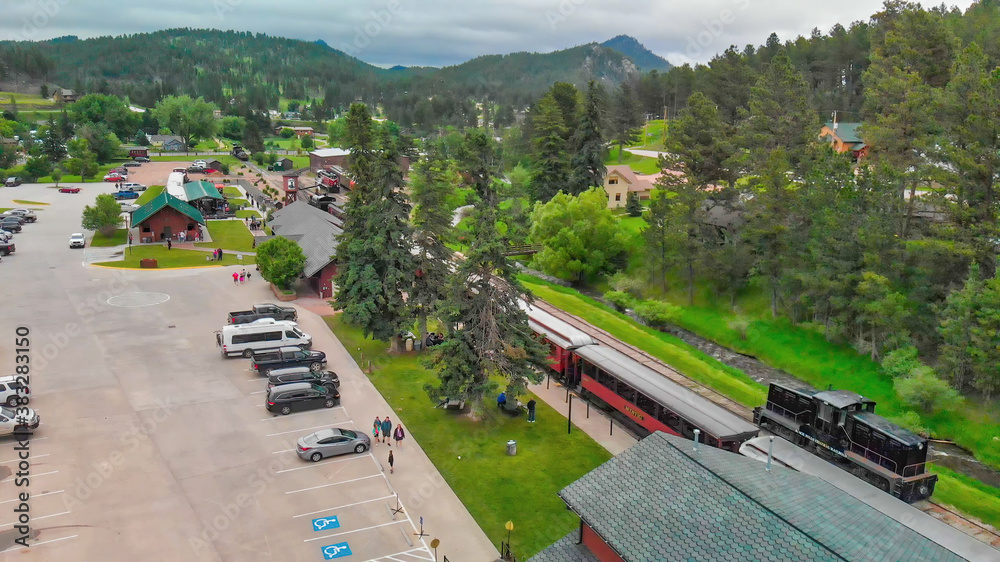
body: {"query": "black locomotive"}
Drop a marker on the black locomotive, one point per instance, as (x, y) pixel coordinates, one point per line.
(842, 426)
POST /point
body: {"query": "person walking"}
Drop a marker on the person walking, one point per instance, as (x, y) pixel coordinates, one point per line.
(398, 435)
(169, 244)
(220, 254)
(391, 460)
(243, 277)
(386, 429)
(236, 278)
(531, 410)
(376, 426)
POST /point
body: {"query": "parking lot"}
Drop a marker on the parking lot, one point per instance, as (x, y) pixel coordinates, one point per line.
(154, 447)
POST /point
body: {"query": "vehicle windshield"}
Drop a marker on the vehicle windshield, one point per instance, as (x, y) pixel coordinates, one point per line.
(298, 332)
(349, 433)
(7, 412)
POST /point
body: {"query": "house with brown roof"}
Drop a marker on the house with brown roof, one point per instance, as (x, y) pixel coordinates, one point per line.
(62, 95)
(844, 137)
(619, 181)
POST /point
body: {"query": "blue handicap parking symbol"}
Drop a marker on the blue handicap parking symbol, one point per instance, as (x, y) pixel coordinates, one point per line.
(324, 523)
(336, 551)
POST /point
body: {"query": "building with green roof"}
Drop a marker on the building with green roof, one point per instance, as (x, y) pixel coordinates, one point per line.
(166, 217)
(666, 499)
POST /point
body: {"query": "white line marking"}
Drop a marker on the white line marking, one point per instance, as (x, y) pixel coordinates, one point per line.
(41, 543)
(296, 430)
(341, 507)
(316, 464)
(36, 496)
(354, 531)
(34, 475)
(285, 451)
(279, 416)
(35, 519)
(30, 458)
(334, 484)
(259, 392)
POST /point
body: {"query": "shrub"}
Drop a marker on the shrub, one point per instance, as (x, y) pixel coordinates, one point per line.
(910, 420)
(925, 390)
(620, 299)
(740, 324)
(281, 261)
(622, 282)
(656, 313)
(899, 363)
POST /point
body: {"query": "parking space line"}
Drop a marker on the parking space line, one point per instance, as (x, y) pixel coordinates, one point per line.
(281, 417)
(35, 518)
(297, 430)
(32, 440)
(354, 531)
(334, 484)
(258, 392)
(41, 543)
(316, 464)
(33, 475)
(341, 507)
(36, 496)
(32, 457)
(282, 451)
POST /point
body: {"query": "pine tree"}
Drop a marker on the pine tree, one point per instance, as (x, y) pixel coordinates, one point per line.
(626, 118)
(589, 149)
(252, 140)
(433, 182)
(52, 143)
(551, 167)
(376, 266)
(490, 335)
(632, 205)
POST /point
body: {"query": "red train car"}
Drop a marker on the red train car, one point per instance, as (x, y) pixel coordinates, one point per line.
(561, 339)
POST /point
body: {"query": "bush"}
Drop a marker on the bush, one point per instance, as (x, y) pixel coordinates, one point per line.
(281, 261)
(620, 299)
(622, 282)
(925, 390)
(910, 420)
(740, 324)
(656, 313)
(286, 133)
(899, 363)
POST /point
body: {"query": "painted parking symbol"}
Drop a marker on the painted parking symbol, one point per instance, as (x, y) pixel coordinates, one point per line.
(336, 551)
(324, 523)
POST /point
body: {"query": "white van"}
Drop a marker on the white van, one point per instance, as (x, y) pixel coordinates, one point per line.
(266, 334)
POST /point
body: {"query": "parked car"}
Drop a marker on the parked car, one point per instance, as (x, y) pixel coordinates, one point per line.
(132, 186)
(10, 215)
(141, 159)
(11, 422)
(125, 195)
(10, 224)
(6, 248)
(302, 374)
(69, 190)
(77, 240)
(266, 310)
(200, 164)
(331, 442)
(288, 398)
(128, 207)
(6, 236)
(285, 357)
(132, 164)
(114, 177)
(12, 182)
(11, 391)
(27, 214)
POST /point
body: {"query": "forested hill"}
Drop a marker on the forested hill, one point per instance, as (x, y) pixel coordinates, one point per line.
(258, 69)
(640, 55)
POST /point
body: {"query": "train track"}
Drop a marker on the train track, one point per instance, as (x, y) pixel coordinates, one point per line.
(943, 513)
(646, 359)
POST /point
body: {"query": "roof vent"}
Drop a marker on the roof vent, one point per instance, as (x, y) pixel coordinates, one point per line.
(697, 436)
(770, 452)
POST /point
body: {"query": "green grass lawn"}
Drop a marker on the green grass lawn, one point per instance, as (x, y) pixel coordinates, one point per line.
(232, 192)
(495, 487)
(639, 164)
(174, 258)
(968, 495)
(247, 213)
(652, 135)
(229, 235)
(26, 202)
(100, 241)
(148, 195)
(226, 159)
(239, 203)
(672, 351)
(24, 99)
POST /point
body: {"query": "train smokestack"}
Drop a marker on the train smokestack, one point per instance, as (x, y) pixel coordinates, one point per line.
(697, 436)
(770, 452)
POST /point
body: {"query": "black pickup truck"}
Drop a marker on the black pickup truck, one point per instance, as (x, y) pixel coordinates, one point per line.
(266, 310)
(6, 248)
(285, 357)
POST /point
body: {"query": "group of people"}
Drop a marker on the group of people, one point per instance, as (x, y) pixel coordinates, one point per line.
(241, 277)
(383, 428)
(433, 339)
(217, 254)
(532, 404)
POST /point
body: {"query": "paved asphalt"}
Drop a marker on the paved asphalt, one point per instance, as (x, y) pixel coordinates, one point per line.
(152, 447)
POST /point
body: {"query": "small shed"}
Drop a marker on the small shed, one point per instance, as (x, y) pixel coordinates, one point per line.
(166, 217)
(204, 196)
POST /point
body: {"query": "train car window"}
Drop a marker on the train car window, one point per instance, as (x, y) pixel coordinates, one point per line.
(589, 369)
(626, 392)
(605, 379)
(645, 404)
(687, 430)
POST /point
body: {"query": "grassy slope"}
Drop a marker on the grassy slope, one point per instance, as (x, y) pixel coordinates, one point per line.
(968, 495)
(174, 258)
(228, 235)
(639, 164)
(669, 349)
(100, 241)
(495, 488)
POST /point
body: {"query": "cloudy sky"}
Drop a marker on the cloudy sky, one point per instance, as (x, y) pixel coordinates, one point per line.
(443, 32)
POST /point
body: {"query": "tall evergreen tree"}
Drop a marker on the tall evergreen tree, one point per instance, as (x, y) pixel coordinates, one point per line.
(376, 265)
(551, 170)
(433, 182)
(53, 145)
(626, 119)
(589, 148)
(491, 336)
(253, 141)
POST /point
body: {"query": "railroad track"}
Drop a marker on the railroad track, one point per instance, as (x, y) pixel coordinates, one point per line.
(646, 359)
(952, 518)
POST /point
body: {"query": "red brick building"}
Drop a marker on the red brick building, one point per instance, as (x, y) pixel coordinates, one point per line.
(167, 217)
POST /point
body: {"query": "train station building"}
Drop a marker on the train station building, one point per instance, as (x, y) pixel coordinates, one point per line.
(667, 499)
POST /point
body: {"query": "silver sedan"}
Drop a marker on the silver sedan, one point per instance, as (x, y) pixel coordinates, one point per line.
(330, 442)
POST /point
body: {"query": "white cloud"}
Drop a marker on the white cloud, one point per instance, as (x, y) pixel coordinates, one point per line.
(441, 32)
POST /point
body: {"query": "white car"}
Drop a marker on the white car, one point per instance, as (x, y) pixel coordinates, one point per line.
(5, 236)
(10, 422)
(128, 207)
(132, 186)
(77, 240)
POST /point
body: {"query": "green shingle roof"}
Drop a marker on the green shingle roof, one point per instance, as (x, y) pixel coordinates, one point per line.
(661, 500)
(196, 190)
(566, 550)
(162, 200)
(847, 132)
